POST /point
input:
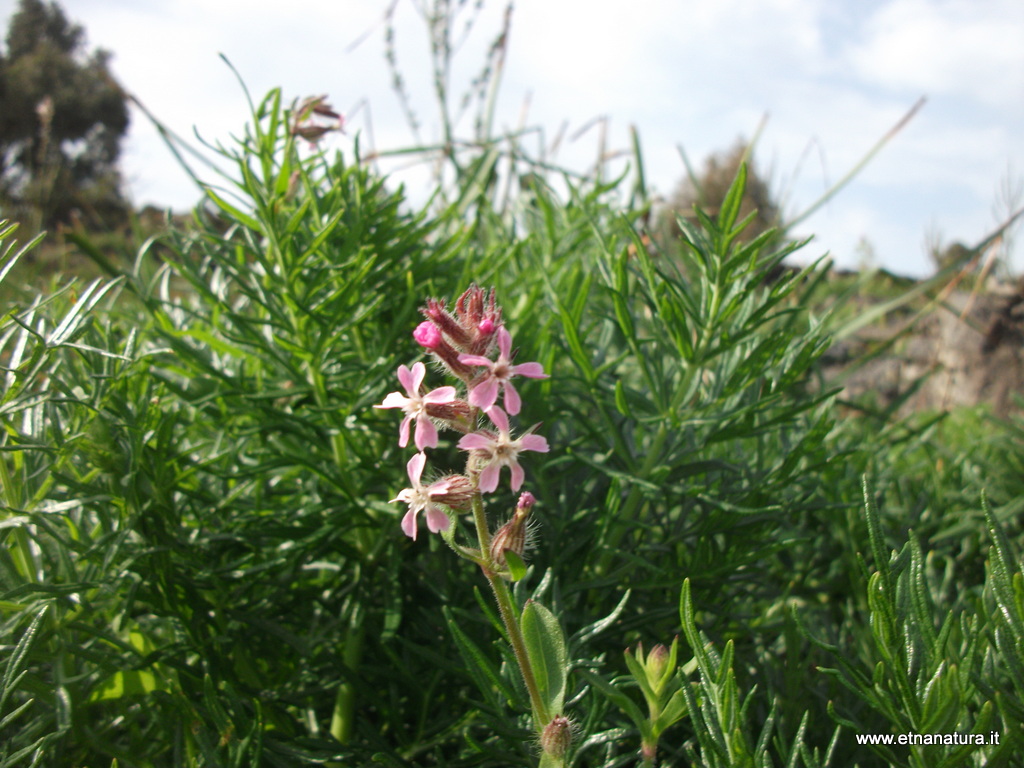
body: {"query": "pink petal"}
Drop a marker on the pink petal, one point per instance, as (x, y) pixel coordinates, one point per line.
(498, 417)
(440, 395)
(476, 441)
(405, 376)
(409, 525)
(394, 400)
(504, 342)
(512, 402)
(529, 370)
(419, 371)
(415, 467)
(403, 432)
(475, 360)
(536, 443)
(484, 394)
(517, 475)
(437, 520)
(439, 488)
(426, 434)
(489, 478)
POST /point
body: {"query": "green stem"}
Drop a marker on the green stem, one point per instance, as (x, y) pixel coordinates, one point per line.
(345, 701)
(509, 614)
(511, 620)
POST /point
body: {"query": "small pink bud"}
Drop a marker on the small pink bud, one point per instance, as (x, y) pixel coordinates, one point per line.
(486, 326)
(427, 335)
(526, 501)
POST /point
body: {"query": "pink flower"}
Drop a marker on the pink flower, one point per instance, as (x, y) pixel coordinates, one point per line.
(426, 498)
(415, 406)
(495, 451)
(498, 375)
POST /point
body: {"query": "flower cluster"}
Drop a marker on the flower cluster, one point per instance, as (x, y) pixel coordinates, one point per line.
(305, 122)
(474, 346)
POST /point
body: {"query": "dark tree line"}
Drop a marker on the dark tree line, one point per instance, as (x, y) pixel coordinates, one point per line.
(62, 118)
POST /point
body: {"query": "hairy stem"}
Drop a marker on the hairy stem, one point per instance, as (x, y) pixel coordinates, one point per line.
(509, 613)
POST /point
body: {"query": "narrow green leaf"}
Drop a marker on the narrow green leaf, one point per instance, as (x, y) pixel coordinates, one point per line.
(16, 660)
(731, 204)
(484, 673)
(590, 631)
(235, 213)
(674, 711)
(619, 698)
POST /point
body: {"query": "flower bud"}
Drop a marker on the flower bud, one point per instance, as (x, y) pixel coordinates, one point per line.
(477, 311)
(427, 335)
(436, 313)
(458, 494)
(657, 660)
(557, 736)
(305, 126)
(511, 537)
(430, 337)
(655, 670)
(458, 414)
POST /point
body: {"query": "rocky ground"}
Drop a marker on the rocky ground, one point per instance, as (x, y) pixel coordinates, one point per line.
(965, 348)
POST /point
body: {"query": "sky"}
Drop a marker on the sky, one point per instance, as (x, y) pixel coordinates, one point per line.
(826, 78)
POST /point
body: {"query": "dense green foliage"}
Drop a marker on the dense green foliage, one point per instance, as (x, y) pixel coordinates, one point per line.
(199, 564)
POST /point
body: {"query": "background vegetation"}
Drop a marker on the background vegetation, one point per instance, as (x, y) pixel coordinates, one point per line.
(199, 565)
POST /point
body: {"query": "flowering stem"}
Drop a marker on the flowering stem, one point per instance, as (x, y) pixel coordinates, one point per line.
(483, 535)
(509, 615)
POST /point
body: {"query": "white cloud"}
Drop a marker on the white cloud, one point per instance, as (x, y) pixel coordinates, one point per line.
(965, 48)
(834, 78)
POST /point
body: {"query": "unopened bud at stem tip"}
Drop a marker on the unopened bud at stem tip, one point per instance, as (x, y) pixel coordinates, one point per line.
(557, 736)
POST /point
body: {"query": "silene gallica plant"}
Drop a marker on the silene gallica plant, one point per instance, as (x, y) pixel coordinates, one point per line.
(474, 347)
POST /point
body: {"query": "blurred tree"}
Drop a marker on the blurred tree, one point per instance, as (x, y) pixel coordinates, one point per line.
(62, 117)
(708, 192)
(956, 255)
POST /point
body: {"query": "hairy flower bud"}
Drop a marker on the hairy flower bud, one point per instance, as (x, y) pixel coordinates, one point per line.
(477, 311)
(511, 537)
(430, 337)
(557, 736)
(448, 325)
(458, 414)
(458, 493)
